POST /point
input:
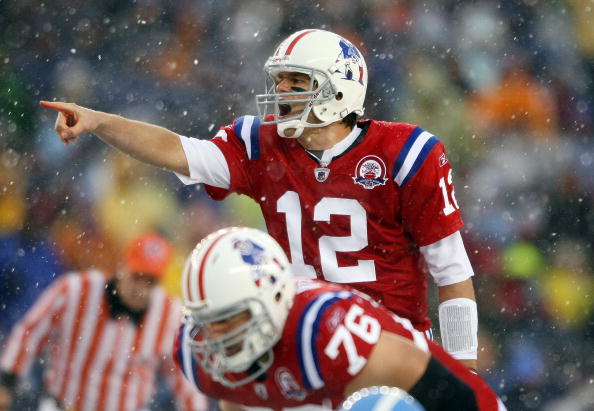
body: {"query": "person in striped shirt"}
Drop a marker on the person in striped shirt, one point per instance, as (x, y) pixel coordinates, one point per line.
(105, 339)
(355, 201)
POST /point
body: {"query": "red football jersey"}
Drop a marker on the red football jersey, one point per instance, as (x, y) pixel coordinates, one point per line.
(361, 219)
(328, 336)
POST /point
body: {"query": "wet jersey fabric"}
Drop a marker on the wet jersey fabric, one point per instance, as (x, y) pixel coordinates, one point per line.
(328, 337)
(358, 220)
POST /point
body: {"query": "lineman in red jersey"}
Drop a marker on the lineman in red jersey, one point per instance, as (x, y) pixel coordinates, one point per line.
(366, 203)
(279, 341)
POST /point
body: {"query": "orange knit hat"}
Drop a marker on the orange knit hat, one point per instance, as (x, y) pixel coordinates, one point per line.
(148, 254)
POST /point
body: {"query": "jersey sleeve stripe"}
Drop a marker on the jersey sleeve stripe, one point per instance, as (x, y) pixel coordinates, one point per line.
(247, 129)
(255, 134)
(432, 141)
(405, 150)
(414, 152)
(307, 335)
(186, 359)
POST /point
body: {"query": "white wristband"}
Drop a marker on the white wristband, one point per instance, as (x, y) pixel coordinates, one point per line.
(458, 325)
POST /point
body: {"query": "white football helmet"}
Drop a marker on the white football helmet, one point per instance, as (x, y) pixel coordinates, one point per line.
(237, 270)
(338, 81)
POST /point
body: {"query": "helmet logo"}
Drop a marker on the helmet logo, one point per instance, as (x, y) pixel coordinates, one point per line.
(253, 254)
(370, 172)
(351, 58)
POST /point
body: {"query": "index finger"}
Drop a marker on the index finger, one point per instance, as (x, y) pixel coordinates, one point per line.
(55, 105)
(64, 108)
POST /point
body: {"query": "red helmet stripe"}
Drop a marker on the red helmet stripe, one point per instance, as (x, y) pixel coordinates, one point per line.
(295, 40)
(203, 264)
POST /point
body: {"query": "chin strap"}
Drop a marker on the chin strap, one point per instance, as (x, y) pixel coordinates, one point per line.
(458, 324)
(296, 125)
(299, 124)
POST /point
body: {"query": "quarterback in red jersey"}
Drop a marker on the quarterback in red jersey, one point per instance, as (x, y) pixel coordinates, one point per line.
(257, 336)
(366, 203)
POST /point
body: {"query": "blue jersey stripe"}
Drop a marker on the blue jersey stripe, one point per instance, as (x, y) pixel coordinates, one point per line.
(255, 138)
(178, 353)
(247, 130)
(420, 159)
(307, 333)
(414, 152)
(186, 358)
(237, 127)
(404, 151)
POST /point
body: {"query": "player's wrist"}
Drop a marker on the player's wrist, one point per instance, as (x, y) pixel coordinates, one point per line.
(458, 323)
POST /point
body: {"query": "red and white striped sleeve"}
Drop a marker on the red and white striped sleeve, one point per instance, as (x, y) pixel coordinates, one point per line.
(187, 396)
(31, 333)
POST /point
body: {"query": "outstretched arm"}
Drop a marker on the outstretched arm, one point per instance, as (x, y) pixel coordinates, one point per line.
(146, 142)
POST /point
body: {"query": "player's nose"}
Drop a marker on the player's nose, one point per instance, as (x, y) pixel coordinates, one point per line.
(283, 86)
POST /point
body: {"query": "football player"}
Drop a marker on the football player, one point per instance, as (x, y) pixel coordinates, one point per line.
(257, 336)
(360, 202)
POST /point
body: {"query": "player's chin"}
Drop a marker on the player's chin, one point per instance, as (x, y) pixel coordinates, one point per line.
(289, 132)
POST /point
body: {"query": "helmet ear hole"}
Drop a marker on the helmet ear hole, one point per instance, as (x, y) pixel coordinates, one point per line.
(277, 297)
(339, 96)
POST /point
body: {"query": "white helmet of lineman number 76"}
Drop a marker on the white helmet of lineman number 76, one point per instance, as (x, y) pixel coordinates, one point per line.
(338, 81)
(231, 271)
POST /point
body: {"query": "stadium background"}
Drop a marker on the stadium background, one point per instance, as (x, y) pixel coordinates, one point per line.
(506, 85)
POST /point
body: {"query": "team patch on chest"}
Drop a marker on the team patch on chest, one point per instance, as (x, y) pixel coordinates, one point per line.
(288, 385)
(370, 172)
(261, 391)
(321, 174)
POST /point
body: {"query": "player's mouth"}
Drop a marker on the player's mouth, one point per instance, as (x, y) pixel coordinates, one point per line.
(284, 109)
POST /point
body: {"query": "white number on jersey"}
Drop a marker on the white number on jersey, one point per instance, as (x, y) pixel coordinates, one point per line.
(363, 326)
(448, 207)
(289, 203)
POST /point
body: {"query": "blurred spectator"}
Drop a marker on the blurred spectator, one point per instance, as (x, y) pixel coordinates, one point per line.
(517, 103)
(130, 200)
(28, 261)
(490, 75)
(106, 337)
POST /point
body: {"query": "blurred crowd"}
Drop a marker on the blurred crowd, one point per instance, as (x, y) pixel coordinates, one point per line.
(507, 85)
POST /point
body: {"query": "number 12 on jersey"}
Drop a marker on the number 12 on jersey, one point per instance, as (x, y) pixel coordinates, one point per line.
(290, 204)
